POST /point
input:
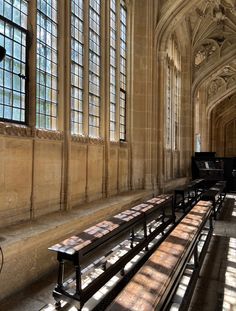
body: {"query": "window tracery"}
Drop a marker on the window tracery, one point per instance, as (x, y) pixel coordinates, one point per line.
(87, 101)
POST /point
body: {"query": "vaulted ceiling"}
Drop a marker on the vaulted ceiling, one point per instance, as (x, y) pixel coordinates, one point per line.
(211, 29)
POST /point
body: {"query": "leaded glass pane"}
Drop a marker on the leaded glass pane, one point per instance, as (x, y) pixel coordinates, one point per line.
(47, 97)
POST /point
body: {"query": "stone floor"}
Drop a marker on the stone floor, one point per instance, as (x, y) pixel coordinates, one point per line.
(215, 290)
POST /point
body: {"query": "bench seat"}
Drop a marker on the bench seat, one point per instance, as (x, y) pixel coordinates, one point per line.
(82, 250)
(215, 194)
(149, 288)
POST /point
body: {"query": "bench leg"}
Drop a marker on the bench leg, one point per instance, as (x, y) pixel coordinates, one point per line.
(145, 233)
(60, 278)
(58, 305)
(132, 238)
(196, 258)
(78, 279)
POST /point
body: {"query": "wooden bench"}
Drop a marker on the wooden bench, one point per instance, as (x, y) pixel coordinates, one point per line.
(155, 283)
(186, 196)
(94, 246)
(215, 194)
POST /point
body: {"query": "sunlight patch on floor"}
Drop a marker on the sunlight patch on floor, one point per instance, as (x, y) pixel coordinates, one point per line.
(229, 302)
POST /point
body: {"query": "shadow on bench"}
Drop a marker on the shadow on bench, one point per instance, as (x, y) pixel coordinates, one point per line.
(154, 286)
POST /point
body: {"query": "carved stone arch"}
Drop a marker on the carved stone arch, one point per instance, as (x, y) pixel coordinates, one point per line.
(208, 71)
(213, 105)
(174, 12)
(229, 119)
(204, 51)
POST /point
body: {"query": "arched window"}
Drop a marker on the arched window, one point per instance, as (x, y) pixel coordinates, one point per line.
(123, 69)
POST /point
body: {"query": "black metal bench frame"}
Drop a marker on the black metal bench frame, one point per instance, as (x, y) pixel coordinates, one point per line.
(81, 296)
(186, 196)
(216, 195)
(205, 228)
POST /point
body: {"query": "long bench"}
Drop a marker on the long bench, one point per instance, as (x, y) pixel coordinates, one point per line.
(186, 196)
(131, 230)
(152, 288)
(215, 194)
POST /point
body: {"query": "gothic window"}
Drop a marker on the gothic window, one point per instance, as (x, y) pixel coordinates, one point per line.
(13, 36)
(123, 69)
(47, 97)
(94, 67)
(86, 50)
(77, 65)
(113, 59)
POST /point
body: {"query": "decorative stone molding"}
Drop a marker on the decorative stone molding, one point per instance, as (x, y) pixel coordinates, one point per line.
(225, 79)
(79, 138)
(47, 134)
(216, 31)
(15, 130)
(229, 4)
(216, 85)
(95, 141)
(19, 130)
(86, 139)
(204, 51)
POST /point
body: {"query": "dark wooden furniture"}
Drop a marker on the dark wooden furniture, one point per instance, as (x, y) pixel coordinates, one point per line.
(207, 165)
(130, 227)
(186, 196)
(154, 285)
(215, 194)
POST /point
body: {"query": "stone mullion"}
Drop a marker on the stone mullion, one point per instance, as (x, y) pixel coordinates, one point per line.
(172, 87)
(105, 74)
(65, 98)
(174, 103)
(130, 25)
(32, 63)
(117, 136)
(31, 98)
(149, 105)
(161, 95)
(86, 70)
